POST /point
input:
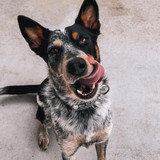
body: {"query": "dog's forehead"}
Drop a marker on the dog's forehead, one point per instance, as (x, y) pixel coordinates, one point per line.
(59, 34)
(72, 32)
(61, 37)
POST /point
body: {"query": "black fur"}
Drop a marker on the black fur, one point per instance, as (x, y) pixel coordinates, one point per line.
(40, 114)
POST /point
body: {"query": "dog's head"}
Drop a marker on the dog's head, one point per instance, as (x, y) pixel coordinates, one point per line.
(72, 54)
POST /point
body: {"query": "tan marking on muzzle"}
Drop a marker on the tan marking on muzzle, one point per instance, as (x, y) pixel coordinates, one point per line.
(85, 57)
(90, 56)
(62, 81)
(63, 68)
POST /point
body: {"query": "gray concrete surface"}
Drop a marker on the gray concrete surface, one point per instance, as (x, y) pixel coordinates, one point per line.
(130, 49)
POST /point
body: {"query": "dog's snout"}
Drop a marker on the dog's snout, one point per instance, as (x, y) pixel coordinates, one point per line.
(77, 66)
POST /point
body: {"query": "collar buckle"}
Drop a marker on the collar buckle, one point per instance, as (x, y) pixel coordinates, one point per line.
(75, 107)
(83, 106)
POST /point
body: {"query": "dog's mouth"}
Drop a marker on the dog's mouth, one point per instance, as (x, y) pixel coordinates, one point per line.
(86, 87)
(84, 91)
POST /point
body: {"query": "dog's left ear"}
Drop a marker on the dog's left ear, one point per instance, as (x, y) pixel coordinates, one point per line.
(36, 35)
(89, 16)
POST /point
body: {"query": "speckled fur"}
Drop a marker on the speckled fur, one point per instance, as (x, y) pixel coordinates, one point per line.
(67, 121)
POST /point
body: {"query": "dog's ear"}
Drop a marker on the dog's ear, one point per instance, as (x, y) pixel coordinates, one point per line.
(36, 35)
(89, 16)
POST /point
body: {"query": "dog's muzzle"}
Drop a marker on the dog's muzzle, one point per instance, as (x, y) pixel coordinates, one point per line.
(86, 86)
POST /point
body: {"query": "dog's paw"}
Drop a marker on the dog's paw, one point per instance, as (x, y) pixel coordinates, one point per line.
(43, 141)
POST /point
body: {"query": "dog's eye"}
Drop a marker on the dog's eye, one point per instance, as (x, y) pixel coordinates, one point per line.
(83, 40)
(54, 50)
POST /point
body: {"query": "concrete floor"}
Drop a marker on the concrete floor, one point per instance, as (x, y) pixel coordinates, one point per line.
(130, 46)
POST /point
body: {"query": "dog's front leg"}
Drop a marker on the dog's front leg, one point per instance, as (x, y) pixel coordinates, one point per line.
(43, 115)
(101, 150)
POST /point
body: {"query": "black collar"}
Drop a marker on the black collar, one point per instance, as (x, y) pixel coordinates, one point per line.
(83, 106)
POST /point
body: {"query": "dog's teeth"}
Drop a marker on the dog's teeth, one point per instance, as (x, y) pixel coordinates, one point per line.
(93, 86)
(80, 92)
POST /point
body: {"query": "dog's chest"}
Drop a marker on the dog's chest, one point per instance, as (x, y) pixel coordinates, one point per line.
(82, 131)
(92, 122)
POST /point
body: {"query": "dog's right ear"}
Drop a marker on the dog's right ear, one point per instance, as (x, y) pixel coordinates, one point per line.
(36, 35)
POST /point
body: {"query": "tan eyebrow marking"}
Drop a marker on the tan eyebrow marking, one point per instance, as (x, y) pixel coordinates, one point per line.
(57, 43)
(75, 35)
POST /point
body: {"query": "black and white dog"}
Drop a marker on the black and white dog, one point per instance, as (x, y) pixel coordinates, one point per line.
(73, 98)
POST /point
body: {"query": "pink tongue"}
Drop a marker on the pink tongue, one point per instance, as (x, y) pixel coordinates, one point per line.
(96, 76)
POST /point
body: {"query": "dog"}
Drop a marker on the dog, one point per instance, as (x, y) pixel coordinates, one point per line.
(74, 98)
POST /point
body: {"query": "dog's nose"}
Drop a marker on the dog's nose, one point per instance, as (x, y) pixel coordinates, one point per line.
(76, 66)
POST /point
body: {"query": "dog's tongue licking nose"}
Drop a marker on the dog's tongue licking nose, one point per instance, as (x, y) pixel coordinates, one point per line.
(96, 76)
